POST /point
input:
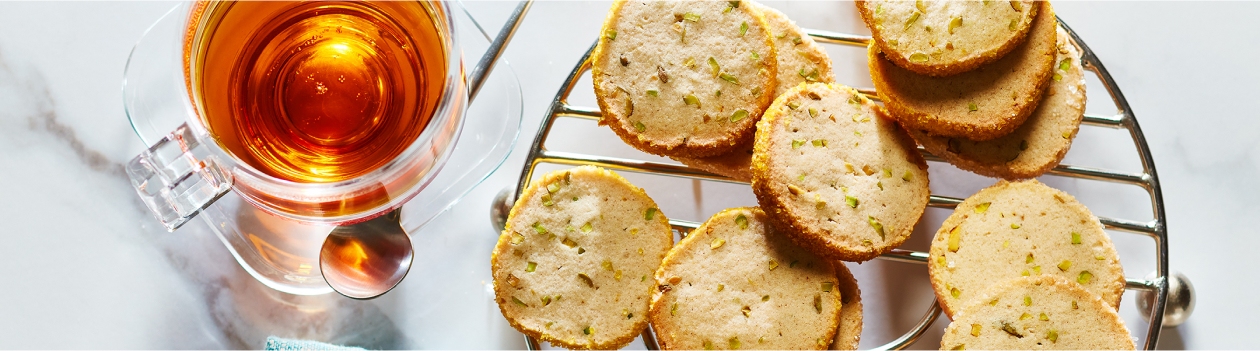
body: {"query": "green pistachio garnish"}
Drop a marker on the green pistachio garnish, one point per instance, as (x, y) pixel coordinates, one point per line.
(765, 298)
(713, 66)
(517, 238)
(546, 300)
(940, 260)
(1018, 6)
(738, 115)
(773, 264)
(818, 303)
(1027, 300)
(818, 201)
(568, 242)
(586, 228)
(955, 292)
(819, 142)
(1084, 277)
(519, 302)
(826, 286)
(1053, 336)
(982, 207)
(638, 126)
(959, 347)
(793, 105)
(690, 62)
(721, 287)
(975, 330)
(812, 76)
(1044, 317)
(1065, 64)
(608, 266)
(611, 34)
(546, 200)
(741, 221)
(716, 243)
(907, 176)
(972, 107)
(1015, 225)
(588, 330)
(654, 93)
(1006, 327)
(743, 28)
(747, 311)
(852, 201)
(539, 228)
(1036, 269)
(717, 93)
(918, 4)
(1074, 306)
(708, 345)
(1025, 316)
(913, 17)
(691, 100)
(691, 17)
(1067, 135)
(586, 279)
(649, 213)
(1057, 77)
(955, 238)
(879, 228)
(1076, 238)
(1029, 259)
(1024, 273)
(733, 342)
(755, 91)
(918, 57)
(887, 173)
(1014, 26)
(796, 40)
(797, 143)
(813, 112)
(729, 78)
(1065, 265)
(755, 57)
(955, 23)
(673, 310)
(529, 267)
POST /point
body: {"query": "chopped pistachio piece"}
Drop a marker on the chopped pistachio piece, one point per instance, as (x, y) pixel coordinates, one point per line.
(1076, 238)
(717, 93)
(982, 207)
(739, 115)
(1015, 226)
(826, 286)
(793, 105)
(517, 238)
(955, 238)
(708, 345)
(813, 112)
(1029, 259)
(1084, 277)
(940, 260)
(743, 28)
(887, 173)
(955, 23)
(1006, 244)
(913, 17)
(851, 201)
(1036, 269)
(713, 66)
(1065, 265)
(819, 142)
(519, 302)
(568, 242)
(1018, 6)
(773, 264)
(553, 187)
(716, 243)
(530, 266)
(918, 4)
(691, 62)
(1065, 64)
(586, 279)
(972, 107)
(918, 56)
(691, 17)
(539, 228)
(513, 280)
(818, 201)
(1044, 317)
(729, 78)
(741, 221)
(546, 300)
(1074, 306)
(755, 57)
(975, 330)
(907, 176)
(1006, 327)
(721, 287)
(818, 303)
(1027, 300)
(546, 200)
(654, 93)
(1052, 335)
(765, 298)
(611, 34)
(955, 292)
(586, 228)
(673, 309)
(959, 347)
(691, 99)
(733, 342)
(588, 330)
(1067, 134)
(617, 275)
(1057, 77)
(1024, 273)
(649, 213)
(797, 143)
(638, 126)
(879, 228)
(1025, 316)
(608, 266)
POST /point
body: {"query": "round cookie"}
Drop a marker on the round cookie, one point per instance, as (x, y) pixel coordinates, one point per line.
(800, 60)
(850, 330)
(683, 78)
(1041, 312)
(943, 38)
(840, 178)
(982, 104)
(572, 264)
(1014, 229)
(735, 283)
(1040, 143)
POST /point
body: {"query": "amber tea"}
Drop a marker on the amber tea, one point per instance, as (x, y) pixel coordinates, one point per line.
(315, 91)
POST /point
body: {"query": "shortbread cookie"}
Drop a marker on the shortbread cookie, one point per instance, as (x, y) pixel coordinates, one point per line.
(850, 330)
(982, 104)
(736, 283)
(943, 38)
(1041, 312)
(1040, 143)
(1014, 229)
(683, 78)
(573, 262)
(838, 176)
(801, 60)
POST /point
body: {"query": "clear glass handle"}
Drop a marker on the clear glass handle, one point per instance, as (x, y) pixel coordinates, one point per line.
(178, 177)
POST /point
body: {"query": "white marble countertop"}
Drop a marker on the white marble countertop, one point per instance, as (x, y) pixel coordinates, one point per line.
(84, 266)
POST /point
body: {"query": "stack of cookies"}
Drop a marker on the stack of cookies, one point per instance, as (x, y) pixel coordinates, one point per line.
(994, 87)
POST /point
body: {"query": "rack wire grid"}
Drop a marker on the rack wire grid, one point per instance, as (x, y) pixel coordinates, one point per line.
(1122, 119)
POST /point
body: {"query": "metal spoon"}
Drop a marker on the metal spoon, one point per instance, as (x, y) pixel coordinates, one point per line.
(366, 260)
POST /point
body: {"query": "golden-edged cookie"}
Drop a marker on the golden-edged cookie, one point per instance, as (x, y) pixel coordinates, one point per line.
(1015, 229)
(850, 330)
(573, 262)
(1040, 143)
(683, 78)
(736, 283)
(943, 38)
(1042, 312)
(838, 176)
(982, 104)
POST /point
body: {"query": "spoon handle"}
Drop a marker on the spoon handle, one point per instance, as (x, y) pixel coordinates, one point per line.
(486, 64)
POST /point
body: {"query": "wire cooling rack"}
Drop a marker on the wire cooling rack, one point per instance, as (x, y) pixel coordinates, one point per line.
(1158, 283)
